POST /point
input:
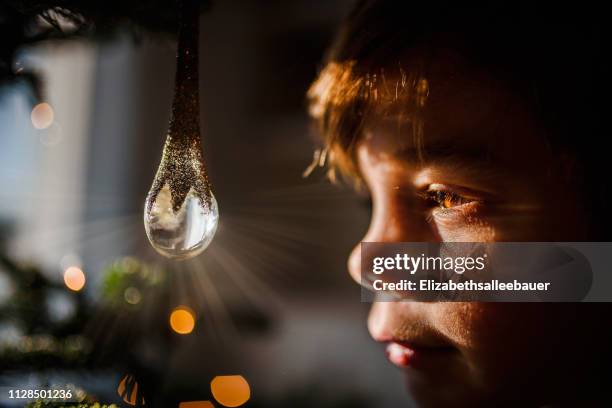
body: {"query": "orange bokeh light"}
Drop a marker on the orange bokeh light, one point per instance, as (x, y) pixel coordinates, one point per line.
(74, 278)
(196, 404)
(182, 320)
(42, 116)
(230, 390)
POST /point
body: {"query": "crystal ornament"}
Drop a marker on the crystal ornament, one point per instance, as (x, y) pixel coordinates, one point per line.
(181, 213)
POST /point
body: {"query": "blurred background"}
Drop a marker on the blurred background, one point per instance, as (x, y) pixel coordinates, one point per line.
(267, 316)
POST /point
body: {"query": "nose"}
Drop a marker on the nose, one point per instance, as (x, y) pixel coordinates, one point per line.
(394, 219)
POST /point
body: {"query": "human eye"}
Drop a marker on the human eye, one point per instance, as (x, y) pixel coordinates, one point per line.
(447, 197)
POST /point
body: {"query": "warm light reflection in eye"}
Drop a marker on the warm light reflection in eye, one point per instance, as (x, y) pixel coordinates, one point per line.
(446, 199)
(74, 278)
(182, 320)
(42, 116)
(230, 390)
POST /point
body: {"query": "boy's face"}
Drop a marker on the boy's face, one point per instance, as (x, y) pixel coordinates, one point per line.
(484, 174)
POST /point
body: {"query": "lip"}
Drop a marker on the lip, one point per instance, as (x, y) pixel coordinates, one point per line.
(404, 354)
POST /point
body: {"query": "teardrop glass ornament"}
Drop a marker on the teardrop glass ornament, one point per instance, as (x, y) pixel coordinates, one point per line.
(181, 213)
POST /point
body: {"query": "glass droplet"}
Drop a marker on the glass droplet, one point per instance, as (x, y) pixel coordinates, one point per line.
(184, 233)
(181, 213)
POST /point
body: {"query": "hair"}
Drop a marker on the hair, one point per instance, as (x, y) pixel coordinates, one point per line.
(553, 59)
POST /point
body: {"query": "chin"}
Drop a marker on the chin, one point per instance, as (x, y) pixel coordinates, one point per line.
(454, 387)
(440, 391)
(447, 395)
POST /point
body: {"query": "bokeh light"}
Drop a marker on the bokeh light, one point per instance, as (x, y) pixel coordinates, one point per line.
(230, 390)
(196, 404)
(42, 116)
(74, 278)
(132, 295)
(182, 320)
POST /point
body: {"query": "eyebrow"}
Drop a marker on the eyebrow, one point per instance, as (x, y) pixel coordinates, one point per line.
(472, 163)
(445, 151)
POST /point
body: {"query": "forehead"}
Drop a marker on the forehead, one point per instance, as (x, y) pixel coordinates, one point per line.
(469, 112)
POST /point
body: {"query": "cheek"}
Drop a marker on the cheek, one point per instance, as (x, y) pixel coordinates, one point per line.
(463, 225)
(459, 322)
(499, 341)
